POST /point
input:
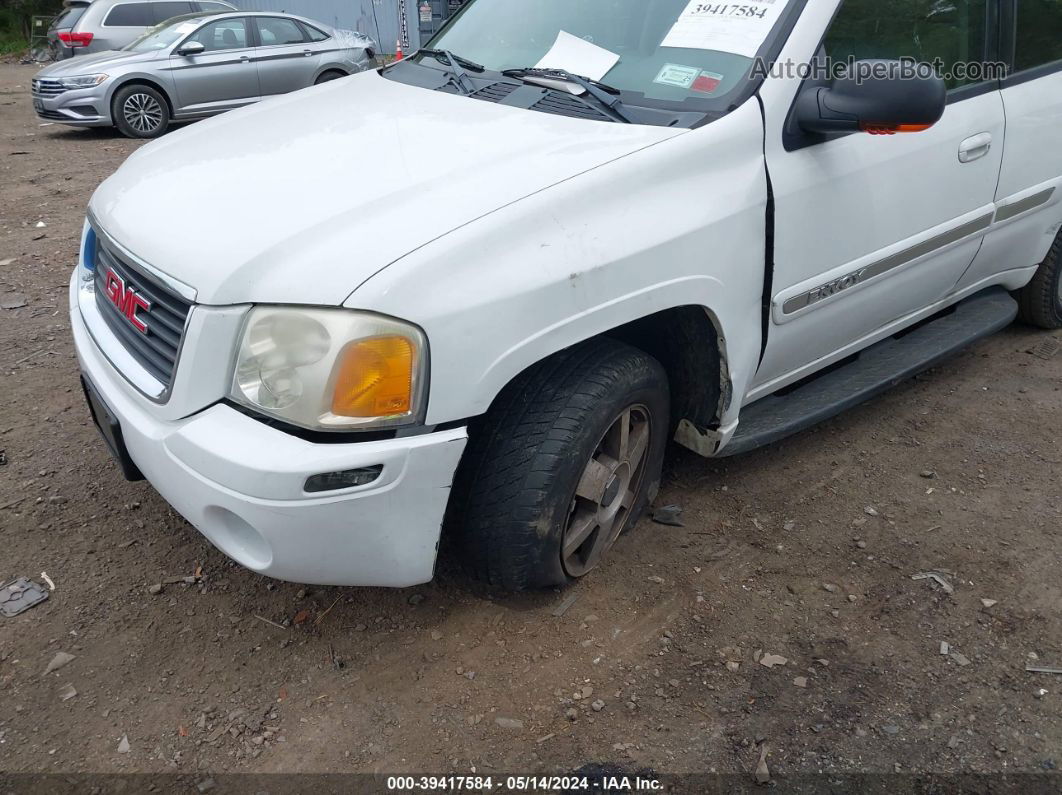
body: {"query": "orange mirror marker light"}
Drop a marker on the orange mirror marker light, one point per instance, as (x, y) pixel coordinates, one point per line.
(892, 129)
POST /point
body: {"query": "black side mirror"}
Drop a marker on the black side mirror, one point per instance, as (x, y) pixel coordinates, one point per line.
(191, 48)
(880, 97)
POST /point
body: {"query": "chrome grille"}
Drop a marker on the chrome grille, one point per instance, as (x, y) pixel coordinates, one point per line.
(156, 350)
(46, 88)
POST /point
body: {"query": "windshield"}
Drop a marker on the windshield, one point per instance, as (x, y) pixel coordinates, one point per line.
(664, 50)
(162, 36)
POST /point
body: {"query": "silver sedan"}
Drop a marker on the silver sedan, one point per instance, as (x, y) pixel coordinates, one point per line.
(195, 66)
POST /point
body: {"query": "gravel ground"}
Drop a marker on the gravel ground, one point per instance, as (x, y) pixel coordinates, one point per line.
(800, 555)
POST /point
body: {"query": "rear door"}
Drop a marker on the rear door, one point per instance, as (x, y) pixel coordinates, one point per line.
(1029, 196)
(287, 60)
(872, 228)
(221, 77)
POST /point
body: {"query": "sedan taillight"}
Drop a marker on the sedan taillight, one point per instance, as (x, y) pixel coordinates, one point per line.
(76, 39)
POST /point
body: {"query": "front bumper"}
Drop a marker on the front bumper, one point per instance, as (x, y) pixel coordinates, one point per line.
(240, 483)
(82, 107)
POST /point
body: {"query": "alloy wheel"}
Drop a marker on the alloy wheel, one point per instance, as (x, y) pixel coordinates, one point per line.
(142, 112)
(606, 491)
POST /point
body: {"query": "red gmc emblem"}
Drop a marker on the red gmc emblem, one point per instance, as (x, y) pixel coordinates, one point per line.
(127, 300)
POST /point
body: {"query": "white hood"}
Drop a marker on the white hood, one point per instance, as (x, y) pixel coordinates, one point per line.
(302, 198)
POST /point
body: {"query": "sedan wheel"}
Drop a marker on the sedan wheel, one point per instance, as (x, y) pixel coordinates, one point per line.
(143, 113)
(140, 111)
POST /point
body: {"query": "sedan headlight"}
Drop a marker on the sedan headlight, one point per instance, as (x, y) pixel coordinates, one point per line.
(82, 81)
(331, 369)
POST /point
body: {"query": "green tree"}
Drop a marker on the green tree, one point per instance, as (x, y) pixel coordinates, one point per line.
(15, 16)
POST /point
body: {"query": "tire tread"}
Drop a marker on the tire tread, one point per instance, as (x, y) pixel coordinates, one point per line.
(1038, 301)
(508, 476)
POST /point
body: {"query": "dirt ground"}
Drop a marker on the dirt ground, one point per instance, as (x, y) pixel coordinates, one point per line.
(805, 550)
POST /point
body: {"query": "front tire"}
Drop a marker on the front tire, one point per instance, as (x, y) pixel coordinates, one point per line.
(1040, 301)
(140, 112)
(567, 458)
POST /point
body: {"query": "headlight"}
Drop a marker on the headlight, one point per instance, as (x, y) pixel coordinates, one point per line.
(82, 81)
(330, 368)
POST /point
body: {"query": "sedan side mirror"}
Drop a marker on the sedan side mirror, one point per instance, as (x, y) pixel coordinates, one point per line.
(191, 48)
(878, 97)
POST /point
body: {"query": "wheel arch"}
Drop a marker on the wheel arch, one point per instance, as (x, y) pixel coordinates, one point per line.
(689, 343)
(330, 68)
(139, 80)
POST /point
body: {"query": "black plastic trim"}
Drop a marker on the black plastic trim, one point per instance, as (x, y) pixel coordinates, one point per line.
(1028, 75)
(873, 370)
(343, 437)
(317, 437)
(768, 260)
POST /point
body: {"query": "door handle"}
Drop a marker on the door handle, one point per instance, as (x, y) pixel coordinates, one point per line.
(307, 53)
(975, 147)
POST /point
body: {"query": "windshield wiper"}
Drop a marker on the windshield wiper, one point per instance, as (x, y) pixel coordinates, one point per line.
(606, 96)
(457, 66)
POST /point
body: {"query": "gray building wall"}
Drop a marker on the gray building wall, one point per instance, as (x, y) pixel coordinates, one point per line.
(376, 18)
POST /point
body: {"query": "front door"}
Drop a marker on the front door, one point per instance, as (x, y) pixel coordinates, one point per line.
(871, 228)
(221, 77)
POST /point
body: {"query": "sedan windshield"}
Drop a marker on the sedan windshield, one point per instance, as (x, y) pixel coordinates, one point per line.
(162, 36)
(663, 50)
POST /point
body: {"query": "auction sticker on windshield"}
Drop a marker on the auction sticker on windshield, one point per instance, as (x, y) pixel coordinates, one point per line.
(707, 82)
(678, 76)
(738, 28)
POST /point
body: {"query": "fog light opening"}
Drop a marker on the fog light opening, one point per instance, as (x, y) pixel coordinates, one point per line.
(337, 481)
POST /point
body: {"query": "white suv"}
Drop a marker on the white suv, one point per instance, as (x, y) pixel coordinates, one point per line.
(477, 292)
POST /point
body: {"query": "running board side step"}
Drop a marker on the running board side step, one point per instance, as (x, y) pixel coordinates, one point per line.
(877, 369)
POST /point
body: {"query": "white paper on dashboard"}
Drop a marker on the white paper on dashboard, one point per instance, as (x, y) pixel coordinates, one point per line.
(738, 28)
(579, 57)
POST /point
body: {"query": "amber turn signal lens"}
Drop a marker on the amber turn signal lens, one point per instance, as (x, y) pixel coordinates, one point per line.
(892, 129)
(375, 378)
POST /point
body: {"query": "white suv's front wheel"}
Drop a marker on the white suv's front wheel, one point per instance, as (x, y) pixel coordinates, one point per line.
(566, 459)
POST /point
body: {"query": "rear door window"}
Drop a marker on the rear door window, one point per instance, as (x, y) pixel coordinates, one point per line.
(314, 34)
(170, 9)
(130, 15)
(276, 31)
(69, 17)
(1039, 34)
(214, 7)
